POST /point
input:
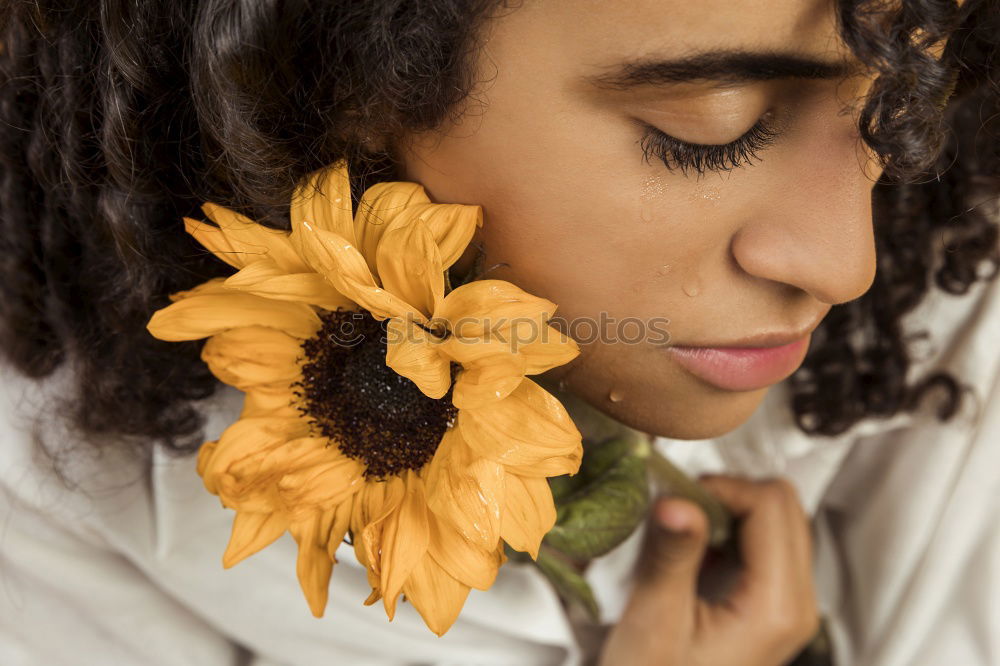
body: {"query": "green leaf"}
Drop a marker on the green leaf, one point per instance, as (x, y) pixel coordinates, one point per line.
(603, 503)
(569, 583)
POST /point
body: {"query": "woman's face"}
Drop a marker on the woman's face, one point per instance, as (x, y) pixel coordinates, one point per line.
(551, 145)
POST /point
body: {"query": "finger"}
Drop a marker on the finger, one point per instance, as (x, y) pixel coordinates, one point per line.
(774, 532)
(671, 555)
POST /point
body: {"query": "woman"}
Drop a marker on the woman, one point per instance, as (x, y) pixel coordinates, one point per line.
(702, 163)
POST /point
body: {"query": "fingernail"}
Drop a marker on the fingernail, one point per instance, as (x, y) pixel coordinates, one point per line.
(673, 517)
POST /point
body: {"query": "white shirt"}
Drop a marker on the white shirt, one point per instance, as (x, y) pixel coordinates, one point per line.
(127, 569)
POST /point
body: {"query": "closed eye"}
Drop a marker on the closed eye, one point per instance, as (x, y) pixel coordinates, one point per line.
(677, 154)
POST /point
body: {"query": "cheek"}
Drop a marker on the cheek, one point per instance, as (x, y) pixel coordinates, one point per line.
(627, 246)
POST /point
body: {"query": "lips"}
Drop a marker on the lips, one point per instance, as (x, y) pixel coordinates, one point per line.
(742, 368)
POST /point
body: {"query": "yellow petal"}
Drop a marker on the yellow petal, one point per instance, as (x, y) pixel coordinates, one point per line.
(466, 490)
(362, 557)
(250, 241)
(464, 560)
(212, 239)
(344, 267)
(246, 438)
(413, 353)
(205, 453)
(379, 205)
(487, 308)
(269, 400)
(341, 524)
(294, 454)
(254, 356)
(436, 595)
(451, 225)
(376, 501)
(324, 200)
(212, 308)
(552, 349)
(404, 541)
(324, 484)
(491, 379)
(265, 278)
(528, 513)
(409, 265)
(314, 565)
(251, 533)
(529, 428)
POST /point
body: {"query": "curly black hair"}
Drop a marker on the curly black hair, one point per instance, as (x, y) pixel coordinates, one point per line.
(119, 117)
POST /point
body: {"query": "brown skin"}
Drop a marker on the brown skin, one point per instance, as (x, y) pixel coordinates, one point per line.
(768, 615)
(574, 214)
(557, 167)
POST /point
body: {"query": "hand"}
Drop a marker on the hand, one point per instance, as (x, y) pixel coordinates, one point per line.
(766, 617)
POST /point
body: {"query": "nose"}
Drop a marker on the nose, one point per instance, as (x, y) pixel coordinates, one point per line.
(813, 228)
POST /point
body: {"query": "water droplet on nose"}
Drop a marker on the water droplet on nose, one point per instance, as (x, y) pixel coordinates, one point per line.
(616, 395)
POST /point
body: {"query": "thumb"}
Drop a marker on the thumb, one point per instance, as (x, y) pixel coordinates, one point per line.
(671, 556)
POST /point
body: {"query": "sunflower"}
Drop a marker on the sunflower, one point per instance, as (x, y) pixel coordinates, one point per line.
(380, 404)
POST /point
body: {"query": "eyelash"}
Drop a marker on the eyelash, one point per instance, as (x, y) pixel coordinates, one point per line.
(682, 155)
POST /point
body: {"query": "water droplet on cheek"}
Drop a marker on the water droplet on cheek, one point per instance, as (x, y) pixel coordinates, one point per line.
(703, 193)
(616, 395)
(691, 288)
(650, 197)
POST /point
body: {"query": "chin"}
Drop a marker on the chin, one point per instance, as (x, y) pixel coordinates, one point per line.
(698, 414)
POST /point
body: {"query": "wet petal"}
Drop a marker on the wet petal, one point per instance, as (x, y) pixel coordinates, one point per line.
(323, 199)
(451, 225)
(413, 353)
(251, 533)
(265, 278)
(409, 265)
(551, 349)
(490, 379)
(249, 241)
(254, 356)
(344, 267)
(212, 308)
(379, 205)
(436, 595)
(404, 541)
(528, 428)
(466, 490)
(488, 308)
(470, 564)
(314, 566)
(528, 513)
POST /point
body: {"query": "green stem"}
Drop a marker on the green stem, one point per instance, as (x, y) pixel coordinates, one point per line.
(675, 482)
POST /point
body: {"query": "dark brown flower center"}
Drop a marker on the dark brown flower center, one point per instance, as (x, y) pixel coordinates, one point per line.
(351, 396)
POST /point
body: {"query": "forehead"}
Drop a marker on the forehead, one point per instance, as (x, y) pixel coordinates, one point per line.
(598, 31)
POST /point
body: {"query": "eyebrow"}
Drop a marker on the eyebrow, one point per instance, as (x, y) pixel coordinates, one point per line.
(722, 66)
